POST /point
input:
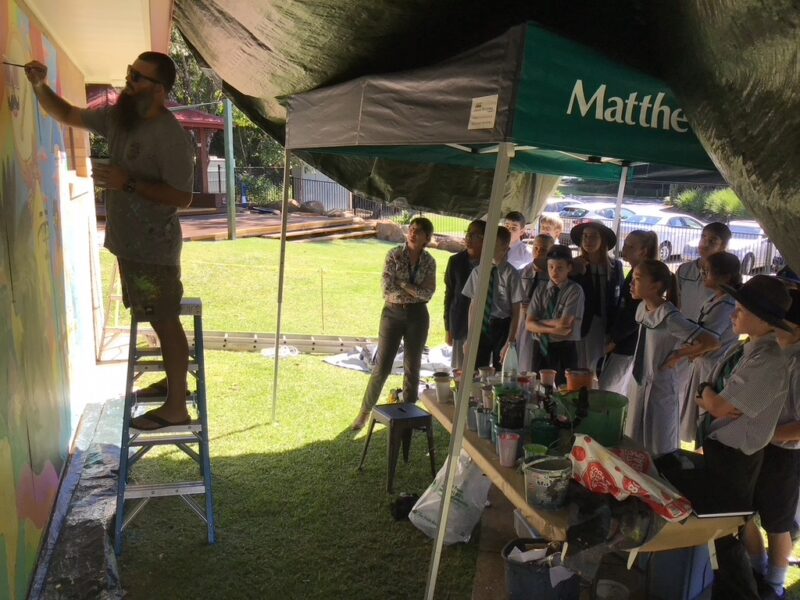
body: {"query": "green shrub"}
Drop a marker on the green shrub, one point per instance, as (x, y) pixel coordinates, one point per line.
(725, 205)
(692, 201)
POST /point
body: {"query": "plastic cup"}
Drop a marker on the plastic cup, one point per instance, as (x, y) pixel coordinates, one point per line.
(443, 392)
(534, 451)
(487, 395)
(508, 449)
(578, 378)
(548, 376)
(485, 372)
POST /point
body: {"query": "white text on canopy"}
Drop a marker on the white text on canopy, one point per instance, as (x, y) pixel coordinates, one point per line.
(644, 112)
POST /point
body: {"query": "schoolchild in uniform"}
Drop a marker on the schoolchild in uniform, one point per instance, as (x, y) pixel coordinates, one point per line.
(456, 305)
(554, 316)
(778, 485)
(552, 225)
(533, 275)
(692, 291)
(602, 282)
(653, 409)
(639, 245)
(519, 253)
(722, 268)
(501, 314)
(743, 398)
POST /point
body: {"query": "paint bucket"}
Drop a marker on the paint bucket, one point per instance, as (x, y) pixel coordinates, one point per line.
(547, 481)
(578, 378)
(531, 579)
(605, 418)
(508, 449)
(484, 424)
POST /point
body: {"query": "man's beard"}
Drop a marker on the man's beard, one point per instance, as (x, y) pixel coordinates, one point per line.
(131, 109)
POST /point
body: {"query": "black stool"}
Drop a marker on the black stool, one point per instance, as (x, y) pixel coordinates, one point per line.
(401, 420)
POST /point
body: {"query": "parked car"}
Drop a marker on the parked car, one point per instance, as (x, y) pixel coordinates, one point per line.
(674, 230)
(555, 205)
(597, 211)
(749, 244)
(575, 214)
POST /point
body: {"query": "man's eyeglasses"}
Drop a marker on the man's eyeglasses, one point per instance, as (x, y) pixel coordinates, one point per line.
(472, 235)
(136, 76)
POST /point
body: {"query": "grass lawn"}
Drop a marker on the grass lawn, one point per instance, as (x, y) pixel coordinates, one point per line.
(331, 288)
(295, 519)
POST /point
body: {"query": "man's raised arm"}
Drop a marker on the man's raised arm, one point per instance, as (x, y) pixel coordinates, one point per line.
(55, 106)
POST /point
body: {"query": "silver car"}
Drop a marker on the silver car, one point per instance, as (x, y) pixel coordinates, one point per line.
(674, 230)
(749, 244)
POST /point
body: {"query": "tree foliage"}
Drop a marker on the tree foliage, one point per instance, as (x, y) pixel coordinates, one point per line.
(725, 205)
(722, 204)
(252, 147)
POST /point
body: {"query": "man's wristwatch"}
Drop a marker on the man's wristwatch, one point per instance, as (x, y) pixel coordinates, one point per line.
(130, 185)
(701, 388)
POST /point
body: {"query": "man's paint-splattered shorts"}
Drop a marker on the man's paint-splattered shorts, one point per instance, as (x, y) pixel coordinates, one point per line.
(152, 292)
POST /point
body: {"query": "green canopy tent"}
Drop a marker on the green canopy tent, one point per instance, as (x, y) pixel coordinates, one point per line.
(527, 101)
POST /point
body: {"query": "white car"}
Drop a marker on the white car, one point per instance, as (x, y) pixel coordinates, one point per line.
(674, 230)
(556, 205)
(749, 244)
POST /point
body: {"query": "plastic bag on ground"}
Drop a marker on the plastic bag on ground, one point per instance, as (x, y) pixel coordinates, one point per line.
(470, 490)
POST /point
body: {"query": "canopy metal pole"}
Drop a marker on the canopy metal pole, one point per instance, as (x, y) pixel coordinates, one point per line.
(504, 154)
(281, 270)
(623, 176)
(230, 167)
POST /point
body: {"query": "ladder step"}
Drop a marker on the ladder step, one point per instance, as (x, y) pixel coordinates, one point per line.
(157, 366)
(194, 427)
(164, 440)
(154, 490)
(159, 400)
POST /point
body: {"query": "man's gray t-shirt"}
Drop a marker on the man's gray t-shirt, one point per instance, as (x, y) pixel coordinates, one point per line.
(160, 151)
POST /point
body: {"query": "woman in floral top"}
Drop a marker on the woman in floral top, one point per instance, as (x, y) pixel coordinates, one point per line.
(409, 280)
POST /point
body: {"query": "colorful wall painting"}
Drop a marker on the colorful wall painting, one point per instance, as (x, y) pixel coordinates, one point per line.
(43, 296)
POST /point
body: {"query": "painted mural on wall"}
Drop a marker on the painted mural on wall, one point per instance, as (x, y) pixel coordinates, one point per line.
(34, 397)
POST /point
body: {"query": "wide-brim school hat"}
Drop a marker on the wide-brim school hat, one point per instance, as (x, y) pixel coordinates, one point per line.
(787, 275)
(576, 233)
(764, 296)
(793, 314)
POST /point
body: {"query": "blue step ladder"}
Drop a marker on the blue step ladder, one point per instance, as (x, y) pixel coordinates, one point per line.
(136, 443)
